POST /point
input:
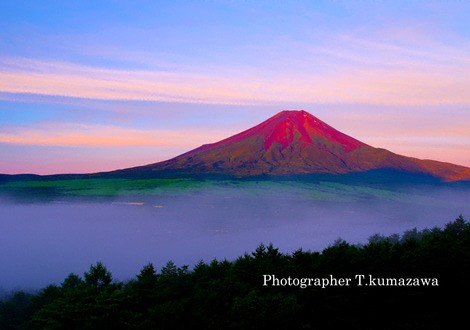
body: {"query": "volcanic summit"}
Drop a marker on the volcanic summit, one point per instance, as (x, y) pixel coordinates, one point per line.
(295, 142)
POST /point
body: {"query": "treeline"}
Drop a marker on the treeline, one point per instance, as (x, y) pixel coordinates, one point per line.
(230, 294)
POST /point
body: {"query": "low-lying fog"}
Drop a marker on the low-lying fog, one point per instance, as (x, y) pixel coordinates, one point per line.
(41, 243)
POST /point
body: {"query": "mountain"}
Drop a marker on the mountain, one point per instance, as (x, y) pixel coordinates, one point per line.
(292, 143)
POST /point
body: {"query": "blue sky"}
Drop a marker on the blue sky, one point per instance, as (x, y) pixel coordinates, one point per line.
(89, 86)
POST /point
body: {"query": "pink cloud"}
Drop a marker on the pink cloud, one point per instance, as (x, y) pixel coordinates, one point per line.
(53, 160)
(367, 85)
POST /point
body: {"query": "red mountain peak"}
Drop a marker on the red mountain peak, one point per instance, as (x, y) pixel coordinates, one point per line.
(290, 128)
(298, 126)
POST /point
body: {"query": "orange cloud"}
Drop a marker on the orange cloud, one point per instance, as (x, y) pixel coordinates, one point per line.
(60, 134)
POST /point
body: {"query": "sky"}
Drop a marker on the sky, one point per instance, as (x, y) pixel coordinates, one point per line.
(88, 86)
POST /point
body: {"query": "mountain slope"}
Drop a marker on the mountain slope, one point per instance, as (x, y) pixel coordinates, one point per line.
(295, 142)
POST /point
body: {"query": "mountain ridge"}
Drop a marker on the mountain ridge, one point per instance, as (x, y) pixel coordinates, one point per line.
(294, 142)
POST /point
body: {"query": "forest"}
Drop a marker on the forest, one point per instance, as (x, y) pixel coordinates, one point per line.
(229, 294)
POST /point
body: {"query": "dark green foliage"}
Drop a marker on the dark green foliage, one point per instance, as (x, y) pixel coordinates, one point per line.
(230, 295)
(98, 277)
(92, 303)
(15, 311)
